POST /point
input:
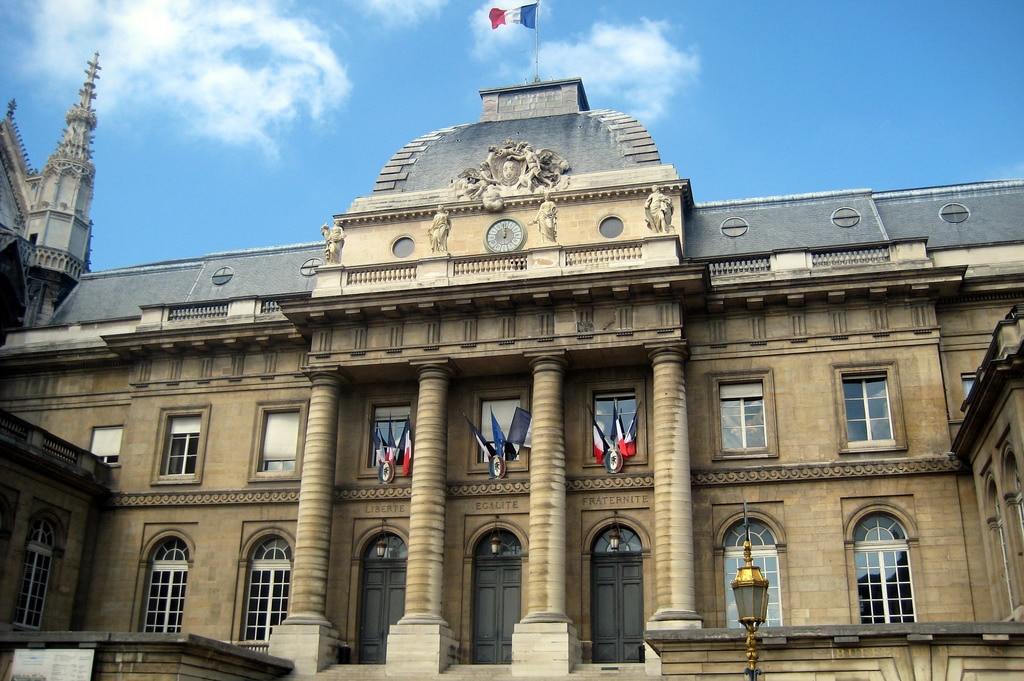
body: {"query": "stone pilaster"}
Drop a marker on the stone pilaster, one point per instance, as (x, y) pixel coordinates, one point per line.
(306, 636)
(422, 641)
(545, 641)
(675, 592)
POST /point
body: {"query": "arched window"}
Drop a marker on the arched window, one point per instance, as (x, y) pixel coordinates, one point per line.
(765, 556)
(270, 578)
(882, 559)
(168, 577)
(36, 575)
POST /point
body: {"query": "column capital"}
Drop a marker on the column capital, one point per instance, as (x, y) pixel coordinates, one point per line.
(442, 368)
(556, 359)
(668, 353)
(325, 377)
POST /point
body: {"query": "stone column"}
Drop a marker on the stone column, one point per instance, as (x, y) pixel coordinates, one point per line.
(545, 641)
(306, 636)
(422, 642)
(675, 592)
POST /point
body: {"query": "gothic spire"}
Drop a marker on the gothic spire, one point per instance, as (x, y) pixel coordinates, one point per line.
(76, 145)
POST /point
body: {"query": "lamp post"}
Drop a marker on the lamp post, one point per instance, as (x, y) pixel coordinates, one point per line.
(751, 591)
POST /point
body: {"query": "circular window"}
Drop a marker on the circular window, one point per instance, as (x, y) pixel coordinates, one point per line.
(403, 247)
(308, 268)
(610, 227)
(954, 213)
(845, 217)
(734, 227)
(222, 276)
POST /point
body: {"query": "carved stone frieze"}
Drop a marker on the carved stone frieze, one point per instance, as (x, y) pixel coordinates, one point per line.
(121, 500)
(510, 169)
(736, 476)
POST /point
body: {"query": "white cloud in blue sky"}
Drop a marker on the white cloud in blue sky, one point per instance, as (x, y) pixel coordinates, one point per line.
(399, 12)
(635, 64)
(233, 70)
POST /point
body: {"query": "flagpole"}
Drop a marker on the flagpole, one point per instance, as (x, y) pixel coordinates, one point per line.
(536, 46)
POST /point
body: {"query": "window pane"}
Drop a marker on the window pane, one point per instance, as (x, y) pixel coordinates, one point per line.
(387, 421)
(503, 411)
(280, 441)
(106, 443)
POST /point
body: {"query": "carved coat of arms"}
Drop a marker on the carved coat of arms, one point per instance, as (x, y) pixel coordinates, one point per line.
(513, 168)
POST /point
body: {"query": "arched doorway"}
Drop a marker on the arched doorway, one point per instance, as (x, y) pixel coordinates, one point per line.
(617, 612)
(497, 589)
(383, 595)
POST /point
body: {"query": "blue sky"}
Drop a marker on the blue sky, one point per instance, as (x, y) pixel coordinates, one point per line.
(227, 124)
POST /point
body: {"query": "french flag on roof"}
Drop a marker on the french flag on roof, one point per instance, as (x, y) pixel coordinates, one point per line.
(525, 15)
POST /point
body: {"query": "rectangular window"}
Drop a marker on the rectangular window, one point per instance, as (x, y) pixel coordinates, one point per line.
(741, 406)
(32, 596)
(106, 443)
(280, 441)
(166, 601)
(388, 422)
(268, 602)
(769, 564)
(883, 587)
(503, 411)
(967, 382)
(866, 399)
(182, 445)
(605, 404)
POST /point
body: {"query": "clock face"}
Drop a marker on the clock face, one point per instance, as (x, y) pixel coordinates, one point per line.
(505, 235)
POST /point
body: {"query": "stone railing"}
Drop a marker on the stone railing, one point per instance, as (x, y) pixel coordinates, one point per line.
(186, 313)
(489, 265)
(782, 261)
(600, 255)
(52, 259)
(848, 257)
(546, 261)
(744, 266)
(44, 444)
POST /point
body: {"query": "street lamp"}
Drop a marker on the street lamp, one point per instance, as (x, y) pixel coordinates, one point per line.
(751, 591)
(382, 541)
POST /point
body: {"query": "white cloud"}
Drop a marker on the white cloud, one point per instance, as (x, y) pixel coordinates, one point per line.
(396, 12)
(232, 70)
(635, 68)
(636, 65)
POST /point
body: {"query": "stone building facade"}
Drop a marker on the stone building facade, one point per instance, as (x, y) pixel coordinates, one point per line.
(809, 356)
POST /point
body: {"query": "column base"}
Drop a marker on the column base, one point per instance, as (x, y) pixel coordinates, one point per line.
(544, 649)
(310, 645)
(420, 648)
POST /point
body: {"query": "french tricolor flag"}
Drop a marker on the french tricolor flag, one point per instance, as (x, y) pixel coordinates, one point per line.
(525, 15)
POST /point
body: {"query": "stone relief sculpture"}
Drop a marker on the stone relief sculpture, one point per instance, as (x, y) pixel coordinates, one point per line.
(547, 218)
(438, 231)
(514, 167)
(334, 240)
(658, 211)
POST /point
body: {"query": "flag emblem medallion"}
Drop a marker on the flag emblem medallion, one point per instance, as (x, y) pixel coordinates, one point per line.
(387, 473)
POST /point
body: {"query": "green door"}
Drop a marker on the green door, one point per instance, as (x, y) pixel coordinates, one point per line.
(617, 613)
(497, 596)
(383, 597)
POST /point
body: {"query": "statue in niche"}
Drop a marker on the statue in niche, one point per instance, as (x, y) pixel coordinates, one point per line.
(514, 167)
(658, 211)
(334, 240)
(438, 231)
(547, 217)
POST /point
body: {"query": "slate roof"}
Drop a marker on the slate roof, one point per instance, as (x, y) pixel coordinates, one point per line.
(257, 273)
(591, 141)
(996, 214)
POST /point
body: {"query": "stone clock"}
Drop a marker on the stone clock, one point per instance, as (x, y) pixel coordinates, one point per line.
(504, 235)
